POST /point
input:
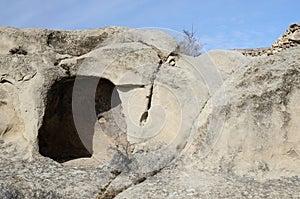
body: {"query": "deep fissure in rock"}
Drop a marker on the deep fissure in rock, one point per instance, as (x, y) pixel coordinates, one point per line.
(150, 98)
(58, 136)
(144, 116)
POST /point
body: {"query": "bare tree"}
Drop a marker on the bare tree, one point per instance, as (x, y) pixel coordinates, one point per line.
(189, 45)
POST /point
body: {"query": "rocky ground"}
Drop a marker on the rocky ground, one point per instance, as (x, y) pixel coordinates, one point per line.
(44, 178)
(202, 184)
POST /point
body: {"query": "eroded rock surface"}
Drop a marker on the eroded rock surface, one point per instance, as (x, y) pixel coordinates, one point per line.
(255, 145)
(117, 112)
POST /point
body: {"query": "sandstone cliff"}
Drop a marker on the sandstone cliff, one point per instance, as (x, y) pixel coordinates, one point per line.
(119, 113)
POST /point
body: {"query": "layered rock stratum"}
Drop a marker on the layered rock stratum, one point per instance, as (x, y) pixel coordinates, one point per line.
(120, 113)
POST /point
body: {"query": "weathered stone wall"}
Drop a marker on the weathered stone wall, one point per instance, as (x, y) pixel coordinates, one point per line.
(290, 38)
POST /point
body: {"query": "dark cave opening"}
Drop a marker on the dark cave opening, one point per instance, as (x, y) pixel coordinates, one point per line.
(71, 111)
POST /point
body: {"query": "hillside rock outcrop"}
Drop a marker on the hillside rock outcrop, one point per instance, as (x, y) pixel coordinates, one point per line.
(119, 113)
(246, 146)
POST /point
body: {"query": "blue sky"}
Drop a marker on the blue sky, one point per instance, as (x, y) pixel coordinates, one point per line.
(223, 24)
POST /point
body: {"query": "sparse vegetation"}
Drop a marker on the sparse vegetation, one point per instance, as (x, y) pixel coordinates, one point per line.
(190, 44)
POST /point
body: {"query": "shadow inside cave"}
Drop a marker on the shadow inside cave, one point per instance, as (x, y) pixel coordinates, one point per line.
(71, 112)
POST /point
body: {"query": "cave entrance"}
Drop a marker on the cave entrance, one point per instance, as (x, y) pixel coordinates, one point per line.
(59, 138)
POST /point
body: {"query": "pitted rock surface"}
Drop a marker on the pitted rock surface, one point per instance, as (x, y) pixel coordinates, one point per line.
(118, 113)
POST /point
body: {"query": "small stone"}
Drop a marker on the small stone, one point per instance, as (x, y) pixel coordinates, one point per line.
(18, 50)
(190, 190)
(172, 63)
(295, 36)
(245, 193)
(269, 52)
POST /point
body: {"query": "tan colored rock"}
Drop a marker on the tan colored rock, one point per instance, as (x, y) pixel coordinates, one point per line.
(259, 127)
(256, 139)
(295, 36)
(130, 106)
(11, 125)
(102, 112)
(227, 61)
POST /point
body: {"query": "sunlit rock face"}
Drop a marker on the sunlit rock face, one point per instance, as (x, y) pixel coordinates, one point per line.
(91, 113)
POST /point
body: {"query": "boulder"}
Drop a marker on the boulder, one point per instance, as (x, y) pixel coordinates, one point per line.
(247, 143)
(102, 98)
(295, 36)
(258, 136)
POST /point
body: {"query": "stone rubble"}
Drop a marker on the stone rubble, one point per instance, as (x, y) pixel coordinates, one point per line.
(291, 38)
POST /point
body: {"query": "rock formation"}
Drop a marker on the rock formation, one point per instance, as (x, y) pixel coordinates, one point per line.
(119, 113)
